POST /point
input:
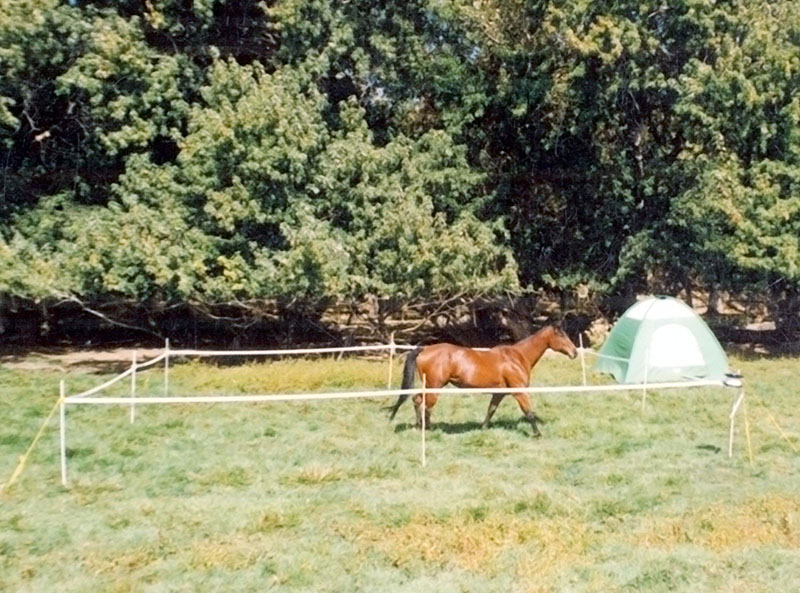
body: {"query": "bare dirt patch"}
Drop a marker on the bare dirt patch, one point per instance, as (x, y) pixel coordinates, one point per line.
(100, 360)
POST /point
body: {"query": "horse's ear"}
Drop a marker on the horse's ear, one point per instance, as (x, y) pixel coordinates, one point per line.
(558, 327)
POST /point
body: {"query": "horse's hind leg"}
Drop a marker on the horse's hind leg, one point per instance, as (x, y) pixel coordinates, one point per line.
(430, 401)
(524, 402)
(496, 399)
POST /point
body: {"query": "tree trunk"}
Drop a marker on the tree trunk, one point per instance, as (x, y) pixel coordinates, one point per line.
(785, 306)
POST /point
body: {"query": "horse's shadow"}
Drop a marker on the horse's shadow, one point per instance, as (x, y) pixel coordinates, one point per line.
(460, 427)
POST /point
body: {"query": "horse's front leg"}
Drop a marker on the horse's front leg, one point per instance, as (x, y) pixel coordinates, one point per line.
(496, 399)
(524, 401)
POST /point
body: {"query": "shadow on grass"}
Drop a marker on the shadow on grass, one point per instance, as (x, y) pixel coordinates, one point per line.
(461, 427)
(710, 448)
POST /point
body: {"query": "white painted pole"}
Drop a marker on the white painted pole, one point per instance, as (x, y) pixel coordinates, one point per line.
(166, 367)
(734, 409)
(133, 386)
(391, 362)
(583, 361)
(424, 409)
(747, 430)
(63, 433)
(644, 385)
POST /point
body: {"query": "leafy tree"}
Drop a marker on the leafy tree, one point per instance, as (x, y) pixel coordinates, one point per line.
(734, 221)
(310, 151)
(265, 201)
(39, 41)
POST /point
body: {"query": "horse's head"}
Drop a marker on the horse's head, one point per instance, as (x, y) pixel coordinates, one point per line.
(560, 342)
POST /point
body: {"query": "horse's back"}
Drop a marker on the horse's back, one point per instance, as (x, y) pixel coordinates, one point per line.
(465, 367)
(439, 355)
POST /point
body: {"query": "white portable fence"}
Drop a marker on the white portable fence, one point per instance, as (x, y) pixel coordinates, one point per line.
(91, 397)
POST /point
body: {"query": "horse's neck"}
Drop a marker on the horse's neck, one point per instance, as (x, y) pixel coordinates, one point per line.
(532, 348)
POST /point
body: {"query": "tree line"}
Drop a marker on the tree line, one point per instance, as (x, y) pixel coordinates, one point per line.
(233, 156)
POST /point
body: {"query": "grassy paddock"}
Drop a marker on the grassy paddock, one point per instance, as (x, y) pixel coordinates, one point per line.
(328, 496)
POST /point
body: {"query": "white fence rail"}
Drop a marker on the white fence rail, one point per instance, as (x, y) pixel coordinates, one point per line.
(90, 397)
(287, 397)
(332, 350)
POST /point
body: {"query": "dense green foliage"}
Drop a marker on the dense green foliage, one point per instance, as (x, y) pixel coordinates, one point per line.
(311, 151)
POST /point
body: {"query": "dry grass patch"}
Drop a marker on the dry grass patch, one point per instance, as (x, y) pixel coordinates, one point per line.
(269, 521)
(475, 545)
(228, 554)
(101, 561)
(313, 475)
(767, 521)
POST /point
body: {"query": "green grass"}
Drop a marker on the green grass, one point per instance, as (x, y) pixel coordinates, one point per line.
(328, 496)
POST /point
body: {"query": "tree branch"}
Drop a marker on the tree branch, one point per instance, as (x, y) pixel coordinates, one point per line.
(73, 299)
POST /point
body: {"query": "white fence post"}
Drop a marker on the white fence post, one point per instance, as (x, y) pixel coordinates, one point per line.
(166, 366)
(747, 429)
(63, 432)
(424, 410)
(133, 386)
(644, 385)
(734, 409)
(583, 361)
(391, 362)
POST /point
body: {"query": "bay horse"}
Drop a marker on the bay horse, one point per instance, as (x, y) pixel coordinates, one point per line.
(501, 366)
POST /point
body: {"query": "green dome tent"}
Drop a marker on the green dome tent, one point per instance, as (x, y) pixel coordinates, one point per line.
(661, 339)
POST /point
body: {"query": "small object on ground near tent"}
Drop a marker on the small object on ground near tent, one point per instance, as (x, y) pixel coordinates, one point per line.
(732, 380)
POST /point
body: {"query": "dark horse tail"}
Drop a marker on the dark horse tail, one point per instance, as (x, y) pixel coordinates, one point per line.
(409, 370)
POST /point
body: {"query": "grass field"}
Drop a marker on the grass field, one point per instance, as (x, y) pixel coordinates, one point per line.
(329, 496)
